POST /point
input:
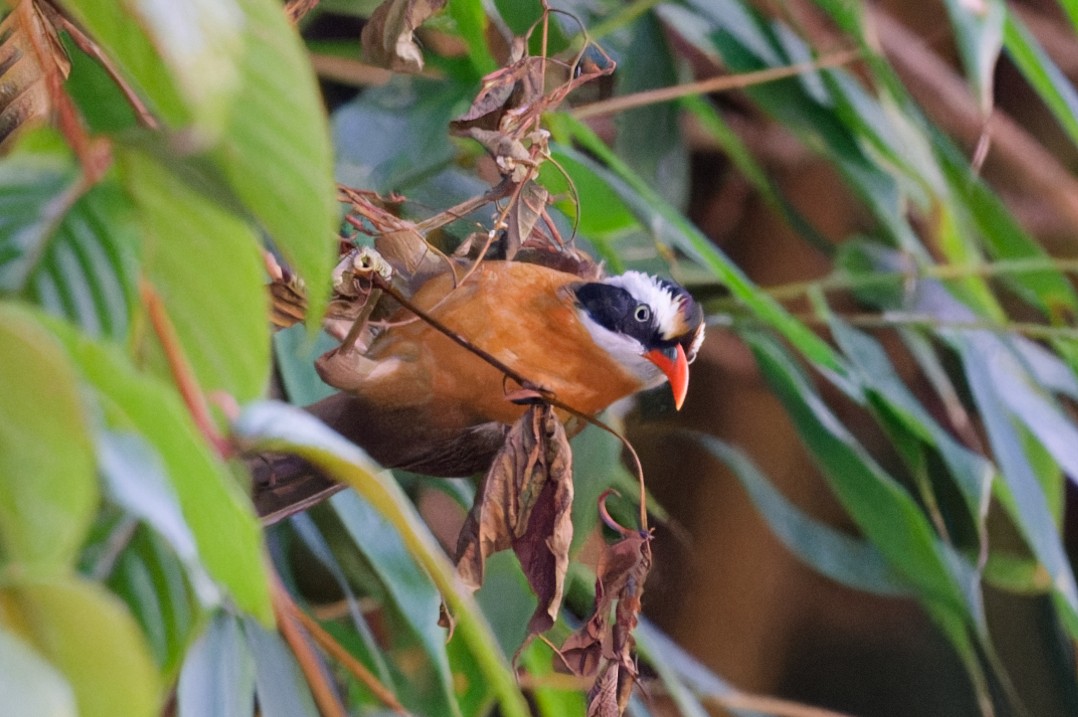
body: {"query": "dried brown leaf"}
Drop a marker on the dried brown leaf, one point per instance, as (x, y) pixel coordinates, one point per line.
(31, 57)
(524, 215)
(605, 649)
(389, 36)
(525, 505)
(506, 95)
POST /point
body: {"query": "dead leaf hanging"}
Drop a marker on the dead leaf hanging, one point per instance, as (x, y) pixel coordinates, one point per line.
(525, 504)
(389, 36)
(31, 57)
(603, 649)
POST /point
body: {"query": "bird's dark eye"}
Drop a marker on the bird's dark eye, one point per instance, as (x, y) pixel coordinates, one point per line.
(642, 313)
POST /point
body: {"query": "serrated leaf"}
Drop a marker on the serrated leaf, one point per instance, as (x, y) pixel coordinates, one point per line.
(205, 265)
(278, 427)
(48, 491)
(66, 245)
(219, 515)
(218, 676)
(29, 685)
(90, 637)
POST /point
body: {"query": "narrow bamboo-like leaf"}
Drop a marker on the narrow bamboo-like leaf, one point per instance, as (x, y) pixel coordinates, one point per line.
(882, 509)
(280, 686)
(873, 370)
(738, 153)
(678, 666)
(842, 558)
(979, 32)
(409, 590)
(1042, 74)
(205, 265)
(644, 141)
(48, 491)
(1003, 237)
(670, 227)
(88, 635)
(1020, 489)
(218, 676)
(472, 27)
(68, 246)
(273, 426)
(29, 685)
(219, 515)
(372, 656)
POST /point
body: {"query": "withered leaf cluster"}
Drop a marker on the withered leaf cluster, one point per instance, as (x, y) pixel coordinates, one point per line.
(603, 649)
(389, 36)
(525, 504)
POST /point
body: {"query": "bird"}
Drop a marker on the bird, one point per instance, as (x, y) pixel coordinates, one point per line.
(416, 399)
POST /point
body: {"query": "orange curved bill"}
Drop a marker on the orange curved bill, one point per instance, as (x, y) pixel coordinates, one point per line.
(672, 362)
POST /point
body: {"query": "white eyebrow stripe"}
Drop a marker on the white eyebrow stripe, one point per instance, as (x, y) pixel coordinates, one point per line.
(663, 302)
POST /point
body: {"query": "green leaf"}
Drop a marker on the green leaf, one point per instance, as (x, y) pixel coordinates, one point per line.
(276, 152)
(409, 592)
(370, 652)
(280, 686)
(48, 491)
(644, 140)
(842, 558)
(278, 427)
(1020, 489)
(205, 265)
(218, 676)
(152, 581)
(599, 210)
(882, 509)
(978, 30)
(133, 37)
(216, 511)
(88, 635)
(409, 117)
(472, 27)
(874, 372)
(295, 355)
(65, 244)
(232, 81)
(30, 686)
(1042, 74)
